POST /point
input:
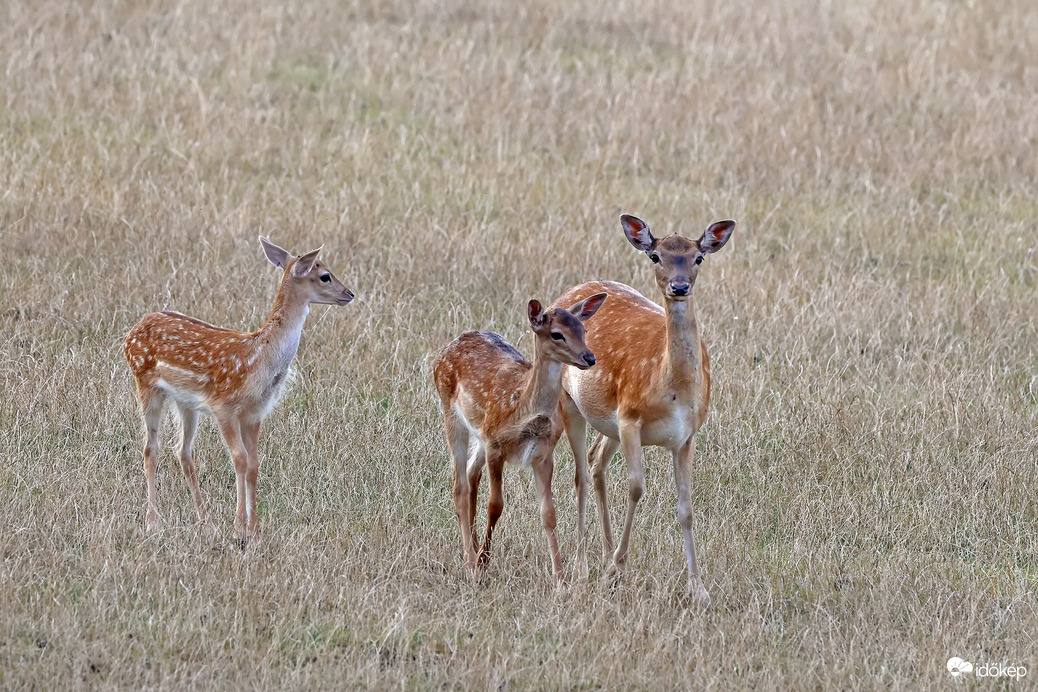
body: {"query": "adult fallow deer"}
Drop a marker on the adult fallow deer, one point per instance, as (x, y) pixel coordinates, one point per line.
(651, 385)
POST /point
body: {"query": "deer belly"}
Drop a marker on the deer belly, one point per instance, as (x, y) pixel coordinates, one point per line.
(592, 406)
(605, 424)
(601, 418)
(185, 397)
(185, 387)
(671, 430)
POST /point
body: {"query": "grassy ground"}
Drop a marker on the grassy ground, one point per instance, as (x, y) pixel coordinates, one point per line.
(865, 484)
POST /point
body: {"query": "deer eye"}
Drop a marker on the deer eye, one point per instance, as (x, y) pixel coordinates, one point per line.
(655, 258)
(699, 260)
(557, 336)
(325, 278)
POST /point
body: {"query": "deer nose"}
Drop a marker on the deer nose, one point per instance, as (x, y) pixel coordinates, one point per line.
(680, 288)
(589, 358)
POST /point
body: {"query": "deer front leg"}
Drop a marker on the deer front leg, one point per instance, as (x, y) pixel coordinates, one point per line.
(576, 433)
(602, 451)
(542, 473)
(230, 429)
(250, 431)
(631, 442)
(682, 474)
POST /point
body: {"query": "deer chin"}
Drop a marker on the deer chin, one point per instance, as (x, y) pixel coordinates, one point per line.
(334, 301)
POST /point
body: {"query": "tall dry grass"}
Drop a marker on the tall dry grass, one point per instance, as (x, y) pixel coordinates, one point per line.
(865, 491)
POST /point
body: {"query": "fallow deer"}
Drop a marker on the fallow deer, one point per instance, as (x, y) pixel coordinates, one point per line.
(498, 407)
(237, 376)
(651, 385)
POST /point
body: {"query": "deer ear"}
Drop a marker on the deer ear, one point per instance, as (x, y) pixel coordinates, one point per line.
(716, 236)
(535, 311)
(637, 231)
(585, 309)
(305, 263)
(278, 256)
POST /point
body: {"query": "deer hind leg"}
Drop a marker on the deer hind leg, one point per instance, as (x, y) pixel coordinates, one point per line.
(631, 442)
(153, 404)
(682, 474)
(230, 429)
(576, 433)
(477, 460)
(542, 473)
(464, 506)
(189, 426)
(496, 503)
(250, 430)
(602, 451)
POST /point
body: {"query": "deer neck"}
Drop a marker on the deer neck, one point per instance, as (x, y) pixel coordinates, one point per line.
(279, 336)
(684, 356)
(543, 385)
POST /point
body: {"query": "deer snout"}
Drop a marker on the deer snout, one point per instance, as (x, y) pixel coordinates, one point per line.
(680, 288)
(347, 297)
(589, 358)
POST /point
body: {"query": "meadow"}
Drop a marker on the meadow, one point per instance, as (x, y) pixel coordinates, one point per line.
(864, 488)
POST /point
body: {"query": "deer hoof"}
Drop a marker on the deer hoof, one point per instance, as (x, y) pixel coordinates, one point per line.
(698, 594)
(615, 565)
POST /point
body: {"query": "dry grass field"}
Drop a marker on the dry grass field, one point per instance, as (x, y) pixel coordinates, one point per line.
(864, 487)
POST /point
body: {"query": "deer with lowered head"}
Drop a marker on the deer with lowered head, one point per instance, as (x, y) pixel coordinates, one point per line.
(236, 376)
(498, 407)
(651, 385)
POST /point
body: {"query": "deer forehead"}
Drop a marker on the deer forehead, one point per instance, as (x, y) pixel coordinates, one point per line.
(564, 319)
(677, 244)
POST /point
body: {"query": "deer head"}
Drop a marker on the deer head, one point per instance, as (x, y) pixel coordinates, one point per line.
(676, 258)
(560, 332)
(307, 276)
